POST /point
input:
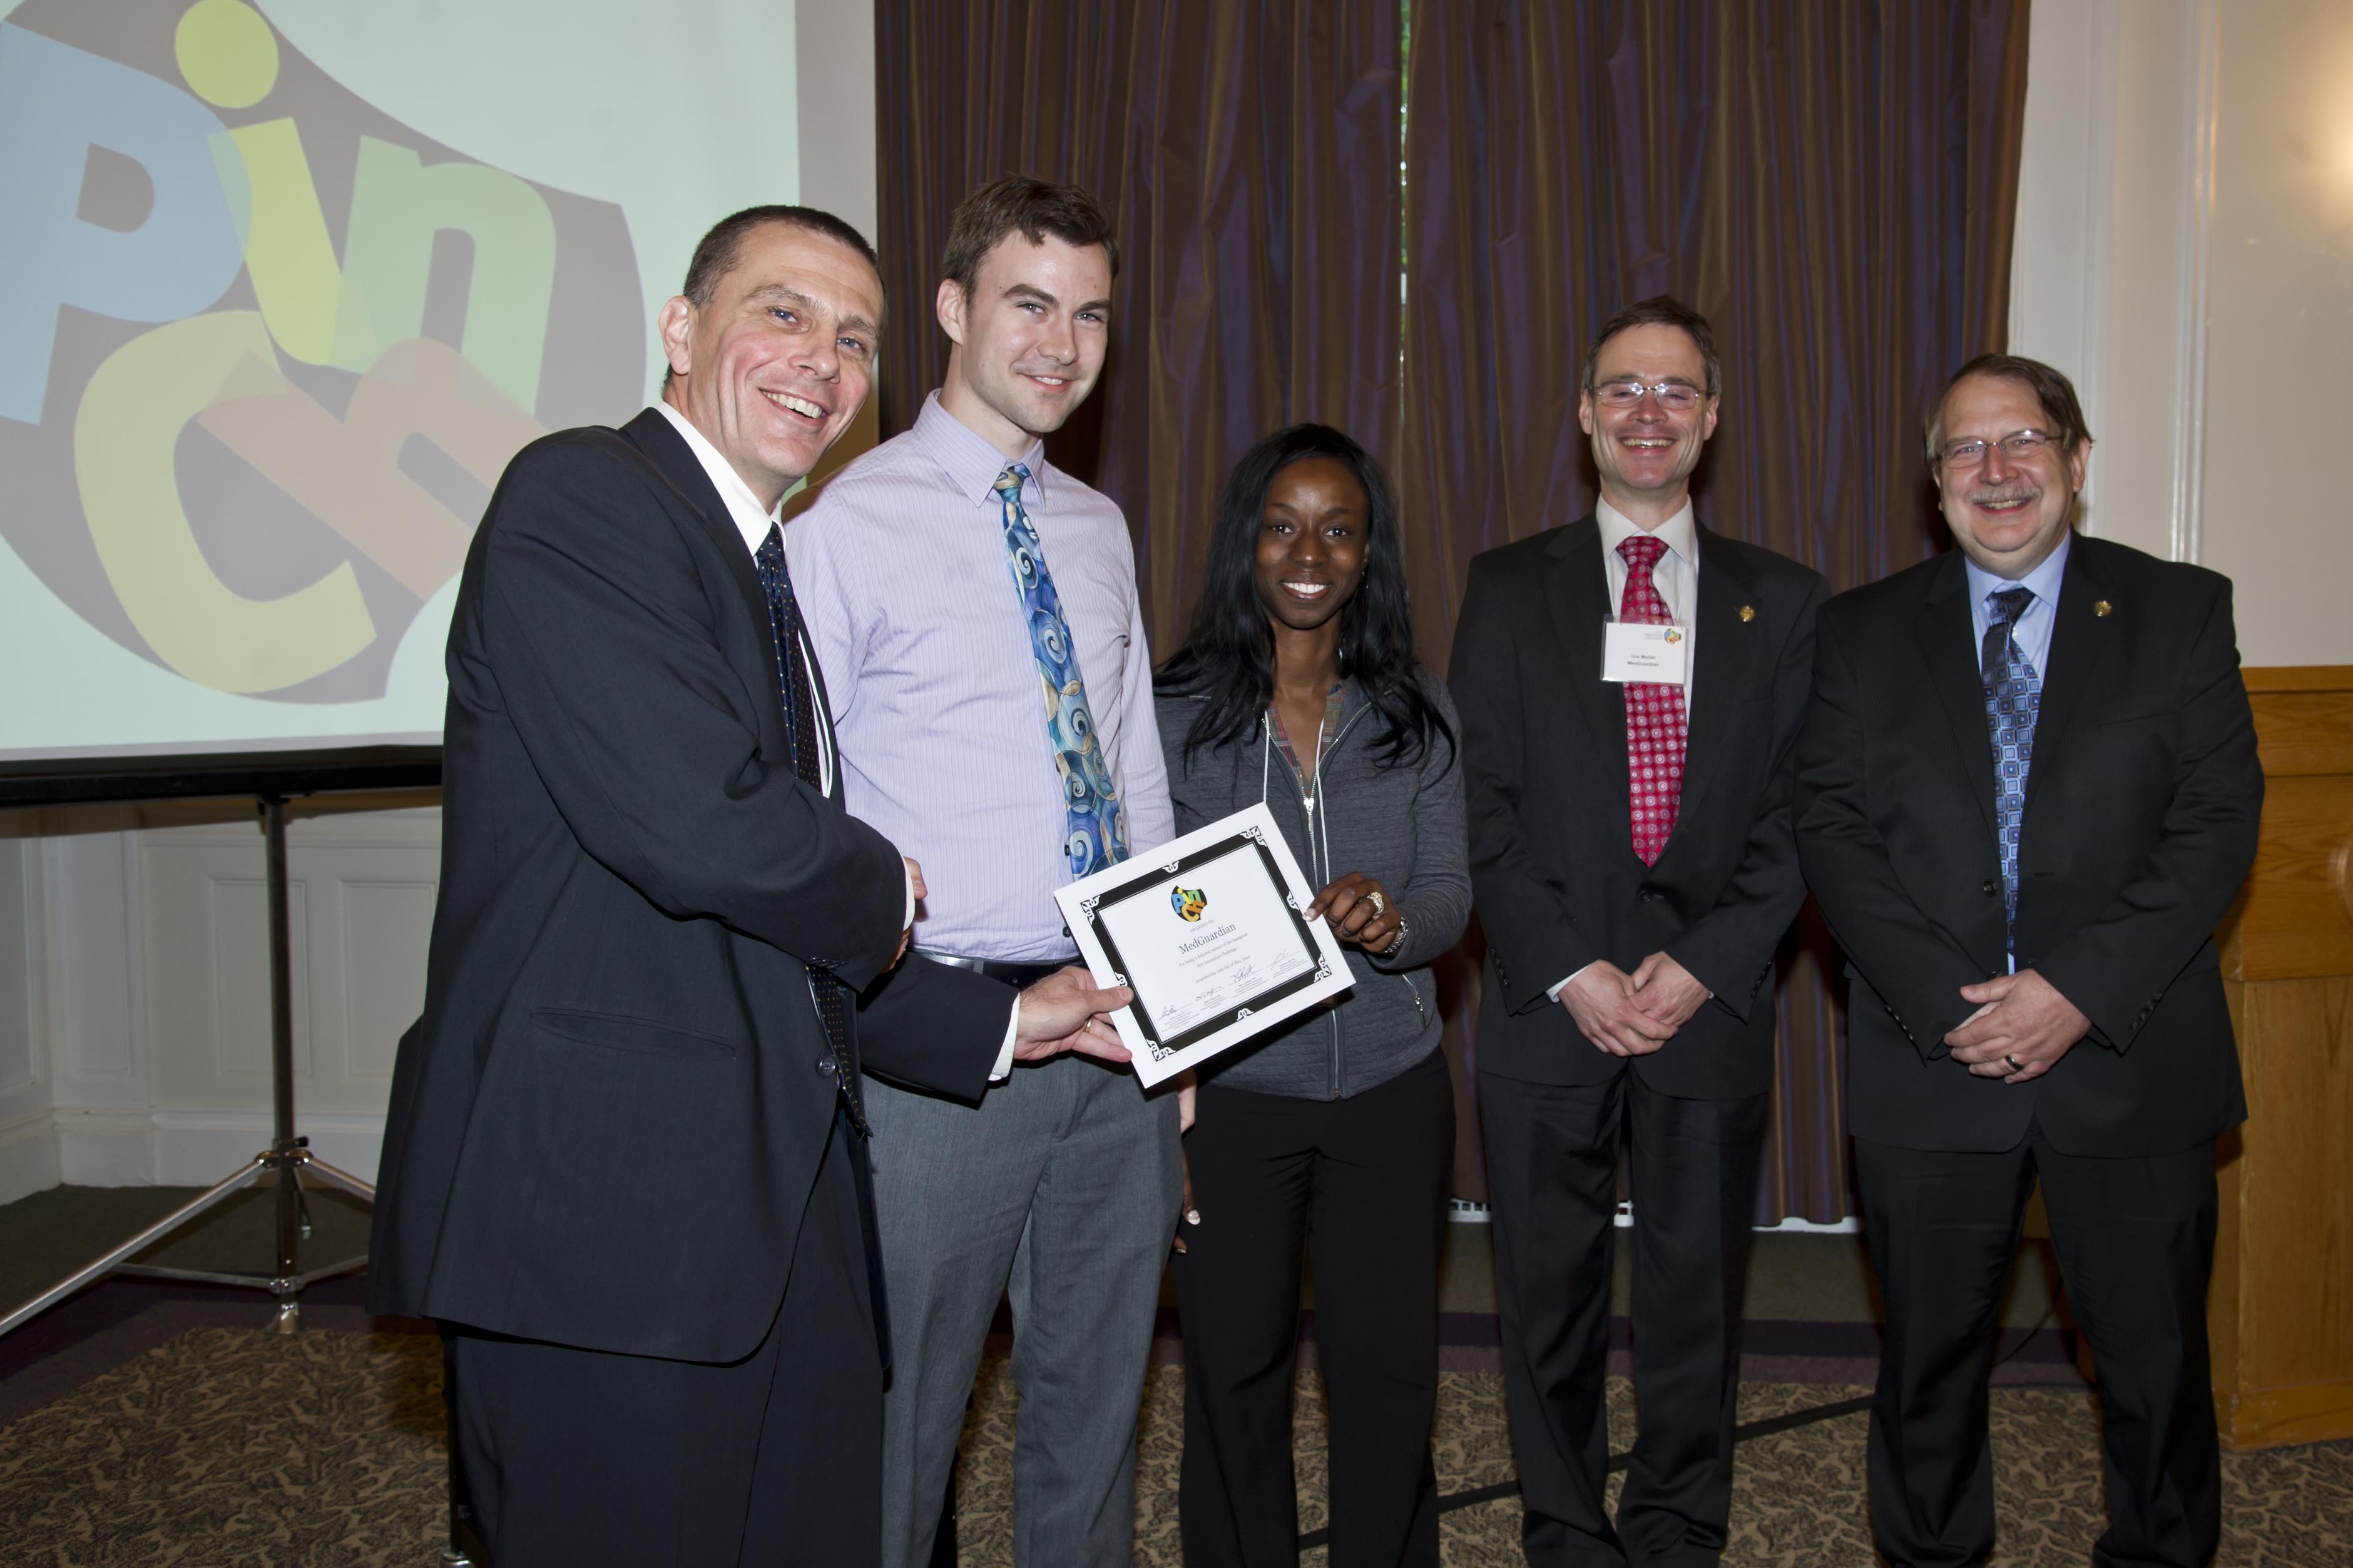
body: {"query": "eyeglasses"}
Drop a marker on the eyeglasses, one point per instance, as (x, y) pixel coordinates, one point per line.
(1681, 396)
(1969, 454)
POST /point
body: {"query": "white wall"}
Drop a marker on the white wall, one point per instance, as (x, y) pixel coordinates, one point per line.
(2279, 365)
(2184, 252)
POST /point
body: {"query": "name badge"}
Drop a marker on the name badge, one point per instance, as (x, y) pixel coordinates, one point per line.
(1630, 651)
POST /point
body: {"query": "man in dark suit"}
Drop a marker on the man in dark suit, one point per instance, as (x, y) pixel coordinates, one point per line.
(609, 1168)
(1631, 859)
(2027, 792)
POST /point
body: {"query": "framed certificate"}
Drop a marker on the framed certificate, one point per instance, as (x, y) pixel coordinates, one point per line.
(1211, 931)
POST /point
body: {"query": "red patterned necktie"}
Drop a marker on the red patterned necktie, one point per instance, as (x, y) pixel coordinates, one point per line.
(1654, 713)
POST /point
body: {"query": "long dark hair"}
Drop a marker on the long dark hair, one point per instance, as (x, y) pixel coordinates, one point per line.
(1227, 656)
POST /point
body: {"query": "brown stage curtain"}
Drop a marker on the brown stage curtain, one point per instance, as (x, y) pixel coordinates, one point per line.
(1247, 151)
(1832, 182)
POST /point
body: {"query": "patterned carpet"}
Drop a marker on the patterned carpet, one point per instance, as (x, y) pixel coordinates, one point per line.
(233, 1446)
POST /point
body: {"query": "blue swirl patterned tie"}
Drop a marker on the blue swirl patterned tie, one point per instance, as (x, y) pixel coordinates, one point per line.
(2013, 693)
(1096, 833)
(800, 731)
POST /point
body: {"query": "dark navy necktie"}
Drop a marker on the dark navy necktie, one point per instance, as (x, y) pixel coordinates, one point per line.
(2013, 693)
(800, 714)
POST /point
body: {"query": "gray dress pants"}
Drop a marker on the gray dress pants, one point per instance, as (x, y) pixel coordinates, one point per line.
(1060, 1189)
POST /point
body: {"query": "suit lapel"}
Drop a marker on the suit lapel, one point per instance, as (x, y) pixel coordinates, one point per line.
(1726, 644)
(1577, 595)
(1947, 632)
(2079, 649)
(652, 434)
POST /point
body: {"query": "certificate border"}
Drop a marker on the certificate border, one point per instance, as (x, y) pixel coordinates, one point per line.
(1255, 837)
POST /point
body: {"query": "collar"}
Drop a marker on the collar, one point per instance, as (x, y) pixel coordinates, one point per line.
(1679, 533)
(743, 508)
(2042, 582)
(970, 463)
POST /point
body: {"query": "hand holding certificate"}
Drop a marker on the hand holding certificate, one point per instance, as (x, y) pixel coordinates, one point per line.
(1211, 933)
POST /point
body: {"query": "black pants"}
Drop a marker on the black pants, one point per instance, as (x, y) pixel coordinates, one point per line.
(577, 1458)
(1552, 1180)
(1363, 1183)
(2135, 1244)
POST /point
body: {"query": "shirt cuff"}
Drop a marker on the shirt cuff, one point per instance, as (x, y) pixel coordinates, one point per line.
(1003, 1067)
(1553, 991)
(907, 921)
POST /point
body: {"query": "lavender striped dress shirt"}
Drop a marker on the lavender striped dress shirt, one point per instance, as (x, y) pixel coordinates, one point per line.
(900, 568)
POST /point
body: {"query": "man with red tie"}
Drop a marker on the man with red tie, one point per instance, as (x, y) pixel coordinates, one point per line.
(1631, 689)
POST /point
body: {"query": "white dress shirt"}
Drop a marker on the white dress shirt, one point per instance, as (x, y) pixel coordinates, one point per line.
(1676, 575)
(744, 510)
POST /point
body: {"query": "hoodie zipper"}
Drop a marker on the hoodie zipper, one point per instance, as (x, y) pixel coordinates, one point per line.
(1332, 1017)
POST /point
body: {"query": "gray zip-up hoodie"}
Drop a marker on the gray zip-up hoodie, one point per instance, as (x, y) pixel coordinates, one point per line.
(1399, 824)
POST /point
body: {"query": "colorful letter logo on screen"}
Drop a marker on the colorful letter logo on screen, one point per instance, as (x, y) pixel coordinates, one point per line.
(263, 350)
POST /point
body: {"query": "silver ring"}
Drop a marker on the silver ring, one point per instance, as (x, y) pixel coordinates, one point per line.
(1380, 905)
(2015, 1065)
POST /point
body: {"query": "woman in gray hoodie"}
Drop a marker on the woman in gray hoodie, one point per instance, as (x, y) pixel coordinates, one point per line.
(1333, 1133)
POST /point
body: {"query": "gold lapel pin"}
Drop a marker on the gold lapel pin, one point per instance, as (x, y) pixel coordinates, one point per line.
(2101, 609)
(1749, 612)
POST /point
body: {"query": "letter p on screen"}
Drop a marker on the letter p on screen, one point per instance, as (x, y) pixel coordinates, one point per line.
(57, 103)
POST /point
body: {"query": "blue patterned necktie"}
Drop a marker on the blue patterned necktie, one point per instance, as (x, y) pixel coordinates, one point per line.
(2013, 692)
(1096, 832)
(800, 728)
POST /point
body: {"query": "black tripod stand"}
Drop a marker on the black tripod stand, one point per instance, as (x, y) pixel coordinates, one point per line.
(285, 1162)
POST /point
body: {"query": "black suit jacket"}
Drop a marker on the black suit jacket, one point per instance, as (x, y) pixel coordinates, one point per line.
(2142, 803)
(605, 1127)
(1544, 770)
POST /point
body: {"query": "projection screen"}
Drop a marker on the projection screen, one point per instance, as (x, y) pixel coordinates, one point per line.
(283, 284)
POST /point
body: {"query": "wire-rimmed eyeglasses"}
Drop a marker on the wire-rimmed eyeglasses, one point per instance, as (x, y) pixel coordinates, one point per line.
(1970, 453)
(1681, 396)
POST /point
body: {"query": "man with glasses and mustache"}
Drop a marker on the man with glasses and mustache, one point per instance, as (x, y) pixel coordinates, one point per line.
(2027, 792)
(1630, 688)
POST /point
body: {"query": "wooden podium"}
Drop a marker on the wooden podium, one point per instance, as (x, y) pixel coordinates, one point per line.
(2280, 1310)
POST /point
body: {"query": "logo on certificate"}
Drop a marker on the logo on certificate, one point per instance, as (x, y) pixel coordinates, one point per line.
(1188, 902)
(1675, 635)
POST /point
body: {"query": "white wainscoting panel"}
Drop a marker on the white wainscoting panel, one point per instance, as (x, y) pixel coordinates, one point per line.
(361, 888)
(385, 926)
(28, 1149)
(91, 960)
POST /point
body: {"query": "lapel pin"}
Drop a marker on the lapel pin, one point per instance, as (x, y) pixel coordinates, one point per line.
(2101, 609)
(1749, 612)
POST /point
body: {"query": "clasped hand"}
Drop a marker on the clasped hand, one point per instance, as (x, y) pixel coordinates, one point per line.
(1632, 1015)
(2020, 1029)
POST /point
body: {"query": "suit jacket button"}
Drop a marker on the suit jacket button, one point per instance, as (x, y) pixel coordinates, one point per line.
(824, 1064)
(1649, 895)
(1990, 888)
